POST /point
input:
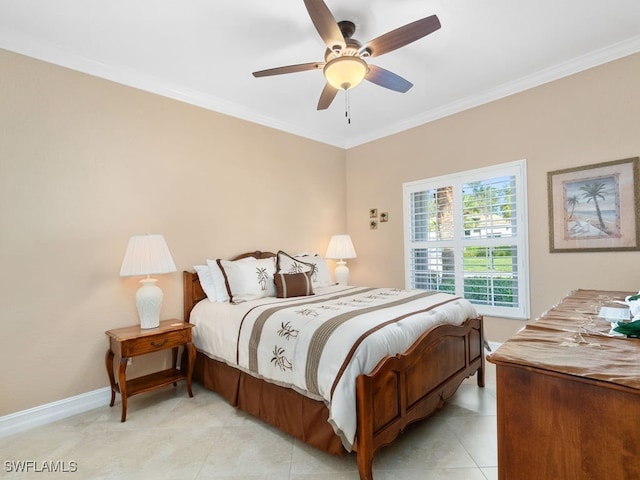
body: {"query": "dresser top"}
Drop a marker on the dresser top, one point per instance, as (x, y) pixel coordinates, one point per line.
(570, 338)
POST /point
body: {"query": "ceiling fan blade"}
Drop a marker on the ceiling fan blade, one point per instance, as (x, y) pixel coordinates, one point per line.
(402, 36)
(326, 25)
(326, 97)
(302, 67)
(387, 79)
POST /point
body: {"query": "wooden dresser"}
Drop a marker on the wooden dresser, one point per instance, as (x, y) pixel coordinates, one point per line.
(568, 397)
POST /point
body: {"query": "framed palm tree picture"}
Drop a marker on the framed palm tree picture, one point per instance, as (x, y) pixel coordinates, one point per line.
(595, 207)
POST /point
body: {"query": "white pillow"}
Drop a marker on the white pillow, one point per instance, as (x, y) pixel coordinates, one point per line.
(206, 281)
(218, 282)
(321, 277)
(249, 279)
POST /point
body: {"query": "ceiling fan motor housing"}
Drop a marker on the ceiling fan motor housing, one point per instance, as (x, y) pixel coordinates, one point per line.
(352, 49)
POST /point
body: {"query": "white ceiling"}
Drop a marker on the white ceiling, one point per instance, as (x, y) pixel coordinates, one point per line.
(203, 52)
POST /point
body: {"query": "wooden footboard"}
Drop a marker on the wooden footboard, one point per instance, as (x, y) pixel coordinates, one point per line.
(411, 386)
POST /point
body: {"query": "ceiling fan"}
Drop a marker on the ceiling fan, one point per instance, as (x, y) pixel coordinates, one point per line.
(344, 65)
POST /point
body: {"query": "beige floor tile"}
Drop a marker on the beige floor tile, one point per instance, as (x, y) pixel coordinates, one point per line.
(325, 476)
(249, 450)
(491, 473)
(427, 445)
(478, 436)
(308, 460)
(168, 435)
(432, 474)
(470, 401)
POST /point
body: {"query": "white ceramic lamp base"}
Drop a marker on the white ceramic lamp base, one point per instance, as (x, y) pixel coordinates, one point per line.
(342, 273)
(149, 300)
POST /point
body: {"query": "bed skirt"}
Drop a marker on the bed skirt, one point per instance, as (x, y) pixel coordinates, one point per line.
(293, 413)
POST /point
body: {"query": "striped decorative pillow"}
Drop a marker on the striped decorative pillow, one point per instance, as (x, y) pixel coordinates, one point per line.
(293, 284)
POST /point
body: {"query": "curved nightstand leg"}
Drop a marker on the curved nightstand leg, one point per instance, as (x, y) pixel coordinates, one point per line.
(112, 378)
(174, 361)
(122, 381)
(191, 355)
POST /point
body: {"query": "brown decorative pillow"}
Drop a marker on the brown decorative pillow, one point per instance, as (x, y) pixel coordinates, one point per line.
(293, 284)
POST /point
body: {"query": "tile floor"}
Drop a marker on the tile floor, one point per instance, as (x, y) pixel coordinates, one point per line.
(168, 435)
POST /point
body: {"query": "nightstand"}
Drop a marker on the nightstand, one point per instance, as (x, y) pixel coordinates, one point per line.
(133, 341)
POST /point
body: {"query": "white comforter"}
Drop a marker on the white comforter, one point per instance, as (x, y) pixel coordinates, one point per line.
(318, 345)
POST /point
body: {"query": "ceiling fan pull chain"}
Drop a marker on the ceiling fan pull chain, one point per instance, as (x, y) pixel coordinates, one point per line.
(347, 106)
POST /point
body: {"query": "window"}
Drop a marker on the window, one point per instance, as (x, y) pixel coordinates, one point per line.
(466, 234)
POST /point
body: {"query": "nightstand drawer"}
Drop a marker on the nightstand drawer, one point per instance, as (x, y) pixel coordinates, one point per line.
(153, 343)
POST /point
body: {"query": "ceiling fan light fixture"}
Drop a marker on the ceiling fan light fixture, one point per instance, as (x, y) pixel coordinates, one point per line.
(345, 72)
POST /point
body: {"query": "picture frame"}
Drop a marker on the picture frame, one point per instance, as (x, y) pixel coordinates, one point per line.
(594, 207)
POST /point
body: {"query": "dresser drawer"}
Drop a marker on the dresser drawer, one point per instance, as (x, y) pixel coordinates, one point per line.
(152, 343)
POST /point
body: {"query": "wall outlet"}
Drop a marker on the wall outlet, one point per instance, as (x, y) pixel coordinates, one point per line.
(129, 361)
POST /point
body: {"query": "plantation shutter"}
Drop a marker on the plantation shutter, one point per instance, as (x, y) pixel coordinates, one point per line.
(466, 234)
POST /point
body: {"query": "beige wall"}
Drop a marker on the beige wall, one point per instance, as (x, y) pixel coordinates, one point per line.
(587, 118)
(84, 164)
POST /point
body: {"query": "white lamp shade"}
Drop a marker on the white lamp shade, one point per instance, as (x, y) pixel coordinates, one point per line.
(340, 247)
(147, 255)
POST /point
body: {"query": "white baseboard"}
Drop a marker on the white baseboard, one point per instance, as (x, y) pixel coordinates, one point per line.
(34, 417)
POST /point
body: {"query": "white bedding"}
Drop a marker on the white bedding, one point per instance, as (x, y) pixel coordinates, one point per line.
(307, 343)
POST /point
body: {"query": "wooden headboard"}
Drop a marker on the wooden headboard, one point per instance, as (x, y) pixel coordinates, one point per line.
(192, 290)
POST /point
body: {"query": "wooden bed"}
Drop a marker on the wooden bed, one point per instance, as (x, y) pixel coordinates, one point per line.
(399, 391)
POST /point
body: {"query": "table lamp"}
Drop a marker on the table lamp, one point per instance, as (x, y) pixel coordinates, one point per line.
(341, 247)
(147, 255)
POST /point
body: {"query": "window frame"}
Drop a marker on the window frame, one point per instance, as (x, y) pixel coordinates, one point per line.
(517, 169)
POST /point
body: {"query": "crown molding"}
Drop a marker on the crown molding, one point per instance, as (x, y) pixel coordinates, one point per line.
(25, 45)
(565, 69)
